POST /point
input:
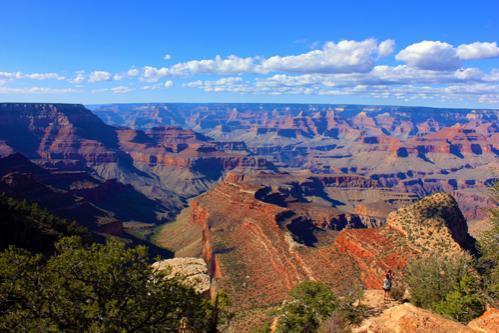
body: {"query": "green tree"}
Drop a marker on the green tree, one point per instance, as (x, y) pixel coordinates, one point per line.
(31, 227)
(488, 244)
(464, 302)
(96, 288)
(449, 286)
(311, 303)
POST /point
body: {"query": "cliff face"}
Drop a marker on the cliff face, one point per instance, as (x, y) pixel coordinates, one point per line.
(62, 133)
(161, 166)
(258, 250)
(413, 150)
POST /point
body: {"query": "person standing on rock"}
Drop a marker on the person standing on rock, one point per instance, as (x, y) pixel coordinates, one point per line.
(387, 284)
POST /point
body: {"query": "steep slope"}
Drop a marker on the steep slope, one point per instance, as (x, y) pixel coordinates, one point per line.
(27, 226)
(184, 161)
(258, 251)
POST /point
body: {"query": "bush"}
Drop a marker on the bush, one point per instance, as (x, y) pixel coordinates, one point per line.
(448, 286)
(311, 303)
(488, 244)
(463, 303)
(99, 288)
(398, 292)
(348, 312)
(33, 228)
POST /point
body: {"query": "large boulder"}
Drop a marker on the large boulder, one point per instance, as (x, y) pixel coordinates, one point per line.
(194, 271)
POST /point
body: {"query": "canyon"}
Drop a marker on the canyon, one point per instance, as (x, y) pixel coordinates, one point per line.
(268, 195)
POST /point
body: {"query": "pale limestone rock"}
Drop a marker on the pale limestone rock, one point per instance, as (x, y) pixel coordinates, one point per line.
(194, 270)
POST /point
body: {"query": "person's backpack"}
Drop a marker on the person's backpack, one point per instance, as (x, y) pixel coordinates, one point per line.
(387, 283)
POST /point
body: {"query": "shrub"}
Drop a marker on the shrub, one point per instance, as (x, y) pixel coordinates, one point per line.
(463, 303)
(488, 244)
(448, 286)
(98, 288)
(311, 303)
(398, 292)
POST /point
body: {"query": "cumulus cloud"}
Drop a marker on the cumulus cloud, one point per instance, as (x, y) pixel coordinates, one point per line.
(436, 55)
(230, 65)
(78, 78)
(430, 70)
(133, 72)
(167, 56)
(346, 56)
(432, 55)
(97, 76)
(477, 50)
(400, 82)
(153, 74)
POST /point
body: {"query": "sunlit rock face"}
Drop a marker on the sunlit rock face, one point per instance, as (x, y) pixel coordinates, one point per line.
(193, 271)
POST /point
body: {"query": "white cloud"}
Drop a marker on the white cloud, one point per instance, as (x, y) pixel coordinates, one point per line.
(167, 56)
(347, 56)
(168, 84)
(386, 48)
(120, 90)
(493, 76)
(432, 55)
(37, 90)
(133, 72)
(230, 65)
(8, 76)
(79, 77)
(399, 82)
(436, 55)
(152, 87)
(118, 76)
(477, 50)
(44, 76)
(153, 74)
(97, 76)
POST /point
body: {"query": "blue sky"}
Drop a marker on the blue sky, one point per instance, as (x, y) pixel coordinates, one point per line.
(437, 53)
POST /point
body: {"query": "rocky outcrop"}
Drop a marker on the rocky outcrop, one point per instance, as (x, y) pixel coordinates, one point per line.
(434, 222)
(192, 271)
(410, 319)
(487, 322)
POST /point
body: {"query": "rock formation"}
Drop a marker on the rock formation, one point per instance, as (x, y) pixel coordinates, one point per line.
(259, 248)
(409, 319)
(192, 271)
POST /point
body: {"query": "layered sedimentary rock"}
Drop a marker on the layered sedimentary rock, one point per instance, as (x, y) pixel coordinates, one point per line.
(155, 169)
(411, 149)
(258, 249)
